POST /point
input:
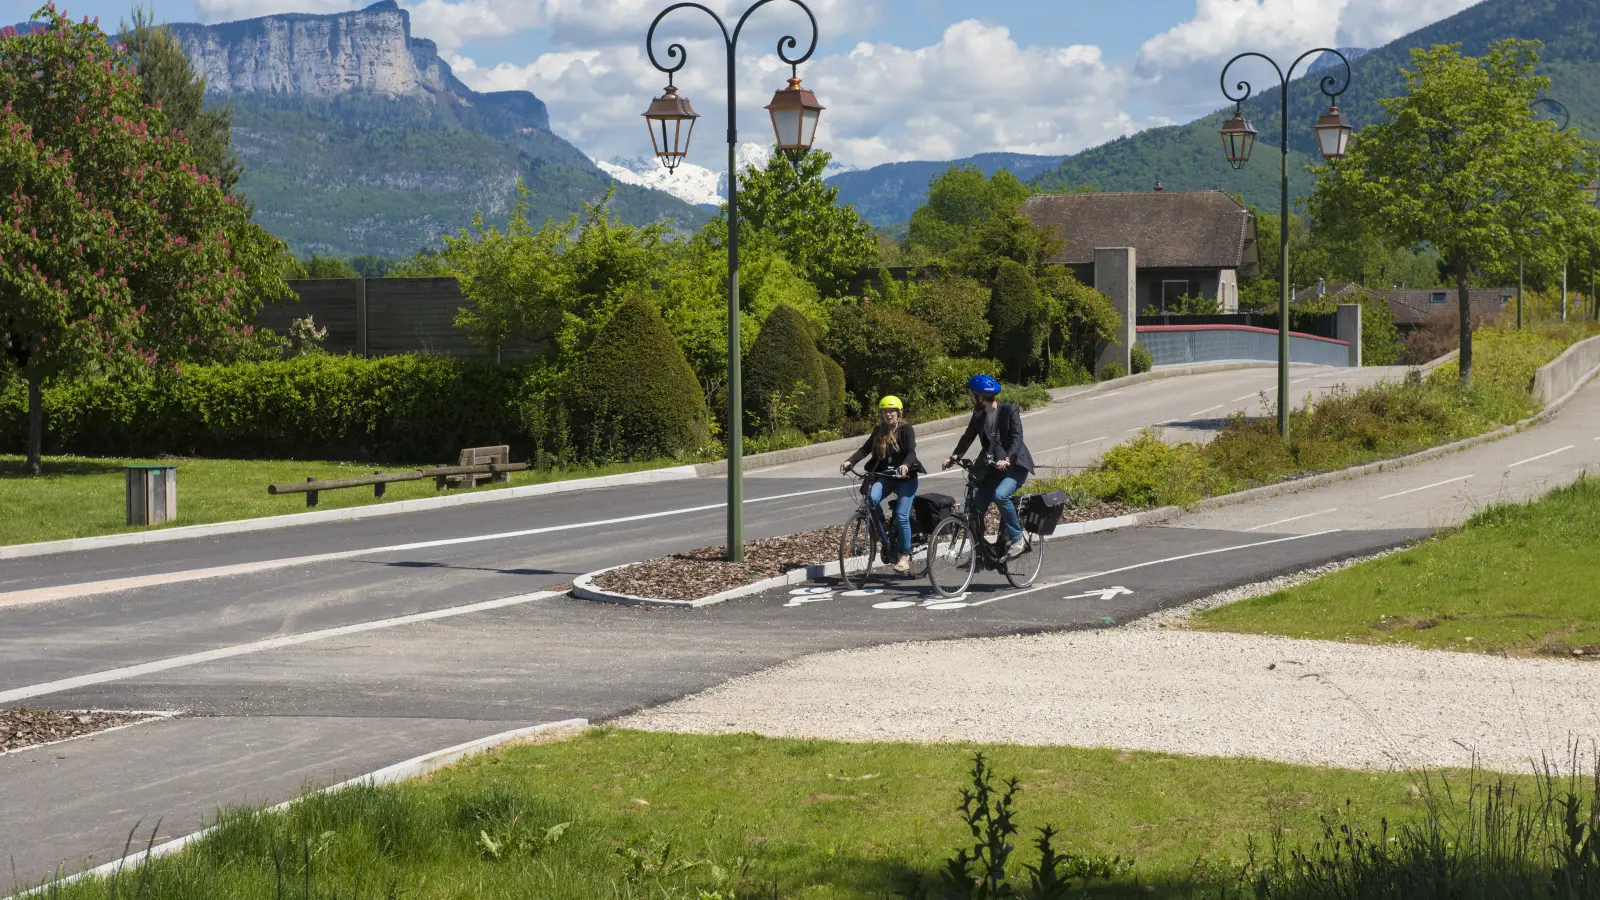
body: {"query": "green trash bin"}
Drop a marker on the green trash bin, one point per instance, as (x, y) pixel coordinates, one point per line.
(152, 494)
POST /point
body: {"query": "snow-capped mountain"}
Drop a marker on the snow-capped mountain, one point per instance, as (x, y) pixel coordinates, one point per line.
(691, 183)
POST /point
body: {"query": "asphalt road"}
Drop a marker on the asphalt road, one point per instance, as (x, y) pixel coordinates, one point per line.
(311, 654)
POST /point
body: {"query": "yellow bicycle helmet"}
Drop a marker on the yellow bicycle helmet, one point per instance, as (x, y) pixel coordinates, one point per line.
(891, 402)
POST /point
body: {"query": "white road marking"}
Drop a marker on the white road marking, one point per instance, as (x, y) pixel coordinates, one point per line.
(1540, 456)
(1293, 519)
(1105, 395)
(65, 591)
(1157, 562)
(1425, 487)
(1245, 397)
(276, 643)
(1207, 409)
(1070, 446)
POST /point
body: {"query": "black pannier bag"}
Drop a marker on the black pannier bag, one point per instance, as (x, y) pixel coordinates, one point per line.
(1042, 512)
(928, 510)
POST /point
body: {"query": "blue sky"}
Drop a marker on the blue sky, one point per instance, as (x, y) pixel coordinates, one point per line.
(902, 79)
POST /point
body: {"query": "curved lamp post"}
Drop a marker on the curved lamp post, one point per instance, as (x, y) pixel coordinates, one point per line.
(1239, 138)
(794, 111)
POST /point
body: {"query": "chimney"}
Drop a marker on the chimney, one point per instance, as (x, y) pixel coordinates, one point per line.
(1322, 288)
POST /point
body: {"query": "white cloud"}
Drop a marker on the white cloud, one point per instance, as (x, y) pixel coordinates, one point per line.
(229, 10)
(1373, 23)
(975, 90)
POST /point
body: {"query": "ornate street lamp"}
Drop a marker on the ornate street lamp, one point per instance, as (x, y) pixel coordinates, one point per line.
(795, 113)
(1333, 139)
(671, 121)
(1238, 139)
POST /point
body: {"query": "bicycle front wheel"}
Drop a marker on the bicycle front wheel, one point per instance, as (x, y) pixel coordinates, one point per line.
(857, 545)
(952, 557)
(1022, 570)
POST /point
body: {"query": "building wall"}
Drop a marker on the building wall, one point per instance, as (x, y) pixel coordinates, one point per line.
(1202, 282)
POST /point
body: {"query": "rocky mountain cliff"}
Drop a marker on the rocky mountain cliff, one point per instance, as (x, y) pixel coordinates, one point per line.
(357, 137)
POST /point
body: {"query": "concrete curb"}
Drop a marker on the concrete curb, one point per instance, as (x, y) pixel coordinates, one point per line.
(1399, 462)
(401, 771)
(266, 523)
(583, 586)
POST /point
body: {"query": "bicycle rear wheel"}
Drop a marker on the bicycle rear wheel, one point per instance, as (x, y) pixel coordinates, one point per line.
(857, 546)
(1023, 570)
(952, 557)
(919, 558)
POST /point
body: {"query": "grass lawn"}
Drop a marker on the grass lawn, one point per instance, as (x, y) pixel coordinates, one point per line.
(81, 496)
(1518, 579)
(660, 815)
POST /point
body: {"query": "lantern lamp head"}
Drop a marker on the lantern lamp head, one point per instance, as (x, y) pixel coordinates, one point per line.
(795, 113)
(1333, 133)
(1238, 139)
(671, 120)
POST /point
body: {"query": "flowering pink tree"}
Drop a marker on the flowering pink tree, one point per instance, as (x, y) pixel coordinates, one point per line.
(115, 250)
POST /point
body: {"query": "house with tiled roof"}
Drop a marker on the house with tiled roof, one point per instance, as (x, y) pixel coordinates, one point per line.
(1411, 307)
(1194, 243)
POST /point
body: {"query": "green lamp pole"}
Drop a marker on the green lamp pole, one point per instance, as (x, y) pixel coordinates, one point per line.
(795, 112)
(1238, 139)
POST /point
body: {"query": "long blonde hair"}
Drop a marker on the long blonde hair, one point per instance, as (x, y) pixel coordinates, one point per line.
(885, 441)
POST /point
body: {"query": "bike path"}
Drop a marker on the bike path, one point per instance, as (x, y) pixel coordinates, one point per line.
(265, 723)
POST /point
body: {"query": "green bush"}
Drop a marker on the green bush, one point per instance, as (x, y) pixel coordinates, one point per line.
(883, 349)
(957, 307)
(634, 394)
(1506, 358)
(1112, 371)
(947, 381)
(1016, 318)
(1144, 472)
(400, 408)
(785, 381)
(1142, 361)
(835, 373)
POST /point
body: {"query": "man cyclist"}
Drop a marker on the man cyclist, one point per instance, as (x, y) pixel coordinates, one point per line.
(999, 426)
(892, 446)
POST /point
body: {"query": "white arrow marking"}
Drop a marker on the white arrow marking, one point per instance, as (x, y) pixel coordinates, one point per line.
(1103, 593)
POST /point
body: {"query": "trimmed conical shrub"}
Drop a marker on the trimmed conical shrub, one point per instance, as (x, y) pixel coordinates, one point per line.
(1016, 319)
(785, 382)
(634, 395)
(835, 374)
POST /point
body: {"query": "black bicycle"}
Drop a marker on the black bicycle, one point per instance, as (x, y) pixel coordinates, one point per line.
(958, 546)
(864, 534)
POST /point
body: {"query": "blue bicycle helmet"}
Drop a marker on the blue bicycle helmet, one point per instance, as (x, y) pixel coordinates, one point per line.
(983, 384)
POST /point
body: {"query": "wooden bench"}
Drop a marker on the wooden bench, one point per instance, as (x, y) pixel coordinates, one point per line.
(478, 456)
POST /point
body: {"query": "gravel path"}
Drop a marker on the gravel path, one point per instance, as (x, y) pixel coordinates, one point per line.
(1310, 702)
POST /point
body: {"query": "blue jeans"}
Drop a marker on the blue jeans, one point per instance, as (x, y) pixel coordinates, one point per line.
(997, 489)
(904, 489)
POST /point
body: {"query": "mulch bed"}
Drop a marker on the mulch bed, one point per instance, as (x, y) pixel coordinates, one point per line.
(703, 572)
(25, 727)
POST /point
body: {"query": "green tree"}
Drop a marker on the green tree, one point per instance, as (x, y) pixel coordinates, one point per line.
(784, 380)
(328, 267)
(633, 394)
(1017, 317)
(790, 209)
(1461, 163)
(552, 286)
(117, 250)
(168, 82)
(1079, 318)
(957, 307)
(959, 201)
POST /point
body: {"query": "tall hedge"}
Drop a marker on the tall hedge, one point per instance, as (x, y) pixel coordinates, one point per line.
(633, 394)
(784, 364)
(413, 409)
(1017, 319)
(884, 350)
(835, 374)
(957, 307)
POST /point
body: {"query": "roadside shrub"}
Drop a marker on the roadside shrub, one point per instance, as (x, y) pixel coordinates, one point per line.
(884, 350)
(1015, 315)
(785, 382)
(399, 408)
(835, 374)
(633, 394)
(947, 381)
(1506, 357)
(1145, 471)
(1027, 396)
(1112, 371)
(957, 307)
(1142, 361)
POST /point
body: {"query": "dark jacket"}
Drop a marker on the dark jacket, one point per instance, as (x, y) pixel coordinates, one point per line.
(1006, 444)
(906, 456)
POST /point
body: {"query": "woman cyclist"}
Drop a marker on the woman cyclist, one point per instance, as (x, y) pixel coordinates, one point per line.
(999, 426)
(892, 445)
